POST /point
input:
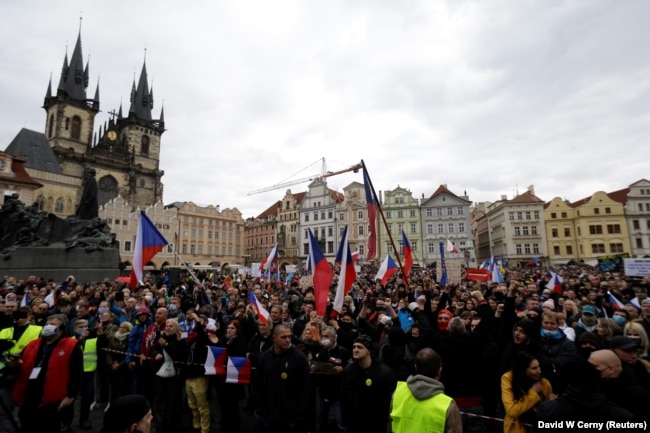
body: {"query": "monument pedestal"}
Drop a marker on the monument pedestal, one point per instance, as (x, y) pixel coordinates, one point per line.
(58, 263)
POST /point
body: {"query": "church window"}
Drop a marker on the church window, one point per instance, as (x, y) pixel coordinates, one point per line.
(58, 206)
(144, 145)
(106, 189)
(51, 127)
(40, 202)
(76, 128)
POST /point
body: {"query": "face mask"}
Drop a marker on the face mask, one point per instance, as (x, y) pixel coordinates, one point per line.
(325, 342)
(172, 308)
(551, 334)
(49, 330)
(589, 320)
(102, 310)
(81, 331)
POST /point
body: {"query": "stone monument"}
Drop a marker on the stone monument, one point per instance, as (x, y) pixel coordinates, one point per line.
(33, 242)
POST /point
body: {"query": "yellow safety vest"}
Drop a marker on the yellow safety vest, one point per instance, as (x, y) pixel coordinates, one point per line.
(31, 333)
(90, 355)
(412, 415)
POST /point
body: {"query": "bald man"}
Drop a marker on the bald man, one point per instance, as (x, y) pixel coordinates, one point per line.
(619, 384)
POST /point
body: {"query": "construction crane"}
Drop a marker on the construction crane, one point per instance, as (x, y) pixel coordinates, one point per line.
(323, 174)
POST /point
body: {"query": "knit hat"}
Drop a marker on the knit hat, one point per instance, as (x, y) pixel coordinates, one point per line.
(589, 337)
(364, 340)
(549, 304)
(124, 412)
(143, 310)
(446, 313)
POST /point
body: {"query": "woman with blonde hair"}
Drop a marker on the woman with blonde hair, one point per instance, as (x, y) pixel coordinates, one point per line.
(571, 311)
(606, 329)
(636, 332)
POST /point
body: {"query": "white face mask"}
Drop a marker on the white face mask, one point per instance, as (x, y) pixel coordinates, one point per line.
(325, 342)
(49, 330)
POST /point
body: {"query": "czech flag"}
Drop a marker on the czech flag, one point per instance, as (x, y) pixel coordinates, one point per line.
(239, 370)
(451, 248)
(408, 255)
(322, 274)
(616, 304)
(386, 270)
(215, 361)
(372, 215)
(148, 243)
(533, 262)
(262, 314)
(348, 275)
(272, 258)
(555, 283)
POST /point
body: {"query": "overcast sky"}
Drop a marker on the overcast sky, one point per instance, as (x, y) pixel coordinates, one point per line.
(484, 96)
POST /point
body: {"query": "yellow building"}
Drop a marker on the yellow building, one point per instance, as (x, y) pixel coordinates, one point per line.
(587, 229)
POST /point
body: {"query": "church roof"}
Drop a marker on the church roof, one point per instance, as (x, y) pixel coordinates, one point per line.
(35, 149)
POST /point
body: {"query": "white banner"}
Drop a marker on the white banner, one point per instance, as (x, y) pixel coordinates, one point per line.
(637, 267)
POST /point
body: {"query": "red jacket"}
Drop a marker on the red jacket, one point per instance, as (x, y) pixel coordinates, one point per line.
(57, 375)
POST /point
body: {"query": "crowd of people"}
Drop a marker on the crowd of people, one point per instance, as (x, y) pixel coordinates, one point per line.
(409, 354)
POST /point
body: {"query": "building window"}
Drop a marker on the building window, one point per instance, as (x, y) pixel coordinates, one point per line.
(608, 210)
(400, 214)
(414, 245)
(569, 250)
(639, 243)
(450, 226)
(527, 215)
(330, 231)
(431, 247)
(58, 206)
(330, 247)
(596, 211)
(535, 248)
(616, 248)
(525, 229)
(636, 225)
(554, 233)
(450, 211)
(556, 250)
(429, 212)
(361, 230)
(76, 128)
(414, 228)
(461, 210)
(567, 232)
(144, 145)
(200, 249)
(184, 249)
(518, 248)
(305, 249)
(517, 231)
(536, 214)
(439, 211)
(613, 229)
(315, 216)
(127, 245)
(412, 213)
(596, 230)
(429, 229)
(342, 216)
(360, 214)
(527, 248)
(389, 214)
(597, 248)
(461, 227)
(511, 216)
(322, 215)
(40, 201)
(553, 215)
(306, 217)
(441, 228)
(533, 230)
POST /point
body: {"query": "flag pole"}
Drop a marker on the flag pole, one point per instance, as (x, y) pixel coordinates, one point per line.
(381, 212)
(185, 265)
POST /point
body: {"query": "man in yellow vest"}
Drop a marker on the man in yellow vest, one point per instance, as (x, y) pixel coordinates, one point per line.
(420, 405)
(12, 342)
(88, 345)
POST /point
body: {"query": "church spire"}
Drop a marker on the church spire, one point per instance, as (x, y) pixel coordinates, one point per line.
(48, 94)
(74, 77)
(141, 97)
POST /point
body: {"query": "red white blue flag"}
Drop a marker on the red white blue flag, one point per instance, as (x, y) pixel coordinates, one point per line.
(262, 314)
(239, 370)
(148, 242)
(373, 205)
(348, 275)
(616, 304)
(386, 270)
(321, 273)
(443, 266)
(271, 259)
(215, 361)
(408, 254)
